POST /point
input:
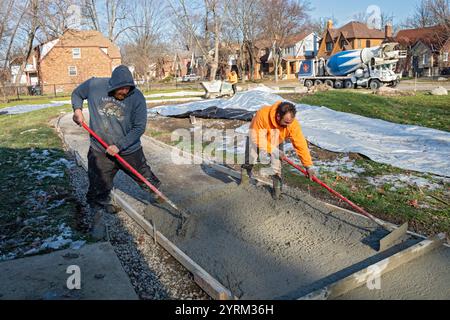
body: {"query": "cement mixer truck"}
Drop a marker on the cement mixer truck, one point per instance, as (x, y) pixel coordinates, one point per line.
(371, 68)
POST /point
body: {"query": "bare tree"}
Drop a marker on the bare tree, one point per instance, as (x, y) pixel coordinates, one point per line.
(244, 21)
(144, 47)
(205, 36)
(386, 18)
(116, 12)
(422, 16)
(280, 19)
(90, 12)
(20, 12)
(33, 18)
(319, 25)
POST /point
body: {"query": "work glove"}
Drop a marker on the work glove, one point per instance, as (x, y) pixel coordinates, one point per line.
(310, 173)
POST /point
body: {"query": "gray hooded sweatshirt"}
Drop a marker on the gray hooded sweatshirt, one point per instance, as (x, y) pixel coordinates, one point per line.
(120, 123)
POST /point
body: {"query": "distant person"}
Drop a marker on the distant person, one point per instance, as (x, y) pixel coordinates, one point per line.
(118, 114)
(270, 127)
(233, 79)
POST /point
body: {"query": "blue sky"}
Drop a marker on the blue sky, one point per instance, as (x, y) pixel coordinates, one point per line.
(344, 10)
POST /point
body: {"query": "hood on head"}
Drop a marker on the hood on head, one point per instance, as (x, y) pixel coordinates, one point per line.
(121, 77)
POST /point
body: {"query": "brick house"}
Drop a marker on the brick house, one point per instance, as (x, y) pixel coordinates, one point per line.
(65, 62)
(353, 35)
(428, 49)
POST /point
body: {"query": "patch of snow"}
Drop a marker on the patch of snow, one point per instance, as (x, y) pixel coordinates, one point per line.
(56, 204)
(402, 180)
(68, 164)
(27, 131)
(39, 155)
(35, 220)
(30, 107)
(342, 166)
(58, 241)
(51, 173)
(8, 256)
(31, 251)
(76, 245)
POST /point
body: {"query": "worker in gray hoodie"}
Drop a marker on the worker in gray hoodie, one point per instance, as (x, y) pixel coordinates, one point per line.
(118, 114)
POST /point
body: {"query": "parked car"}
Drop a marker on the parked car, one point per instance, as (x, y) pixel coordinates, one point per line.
(190, 77)
(445, 72)
(34, 90)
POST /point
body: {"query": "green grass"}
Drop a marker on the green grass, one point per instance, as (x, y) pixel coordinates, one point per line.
(422, 109)
(24, 141)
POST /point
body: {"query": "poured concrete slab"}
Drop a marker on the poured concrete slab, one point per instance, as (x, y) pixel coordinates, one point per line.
(44, 277)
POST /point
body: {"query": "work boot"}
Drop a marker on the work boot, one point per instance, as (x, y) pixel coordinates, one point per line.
(154, 181)
(246, 175)
(277, 187)
(98, 230)
(111, 208)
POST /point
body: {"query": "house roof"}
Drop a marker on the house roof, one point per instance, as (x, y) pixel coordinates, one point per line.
(356, 29)
(295, 38)
(88, 38)
(428, 35)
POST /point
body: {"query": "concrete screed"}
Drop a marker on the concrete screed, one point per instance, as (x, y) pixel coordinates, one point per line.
(265, 249)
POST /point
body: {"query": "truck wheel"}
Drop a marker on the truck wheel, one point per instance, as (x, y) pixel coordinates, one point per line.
(309, 83)
(329, 83)
(375, 84)
(348, 84)
(395, 83)
(318, 83)
(338, 84)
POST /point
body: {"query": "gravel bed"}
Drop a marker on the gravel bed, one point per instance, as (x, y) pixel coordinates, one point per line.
(154, 273)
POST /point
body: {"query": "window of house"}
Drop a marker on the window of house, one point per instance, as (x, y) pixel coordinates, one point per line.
(72, 71)
(367, 43)
(445, 57)
(329, 46)
(425, 59)
(76, 53)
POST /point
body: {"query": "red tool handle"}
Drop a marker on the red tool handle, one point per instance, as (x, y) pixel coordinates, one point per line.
(337, 194)
(125, 163)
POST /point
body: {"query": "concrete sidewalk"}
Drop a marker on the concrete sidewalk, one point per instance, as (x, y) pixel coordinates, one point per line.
(45, 277)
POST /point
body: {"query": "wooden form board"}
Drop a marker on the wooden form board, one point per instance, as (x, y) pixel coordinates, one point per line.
(361, 277)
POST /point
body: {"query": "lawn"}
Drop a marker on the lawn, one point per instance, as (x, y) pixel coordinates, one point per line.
(36, 198)
(422, 109)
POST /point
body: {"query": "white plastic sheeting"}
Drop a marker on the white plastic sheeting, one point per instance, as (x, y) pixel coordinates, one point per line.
(251, 100)
(403, 146)
(29, 107)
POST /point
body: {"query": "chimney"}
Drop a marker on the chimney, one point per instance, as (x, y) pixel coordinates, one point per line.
(388, 31)
(330, 24)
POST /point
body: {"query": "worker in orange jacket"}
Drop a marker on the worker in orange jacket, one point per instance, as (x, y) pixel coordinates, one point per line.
(233, 79)
(270, 127)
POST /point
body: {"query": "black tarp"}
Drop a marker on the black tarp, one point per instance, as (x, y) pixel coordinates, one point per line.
(218, 113)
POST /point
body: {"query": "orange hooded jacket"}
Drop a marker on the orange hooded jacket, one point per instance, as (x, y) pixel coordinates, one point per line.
(264, 126)
(232, 77)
